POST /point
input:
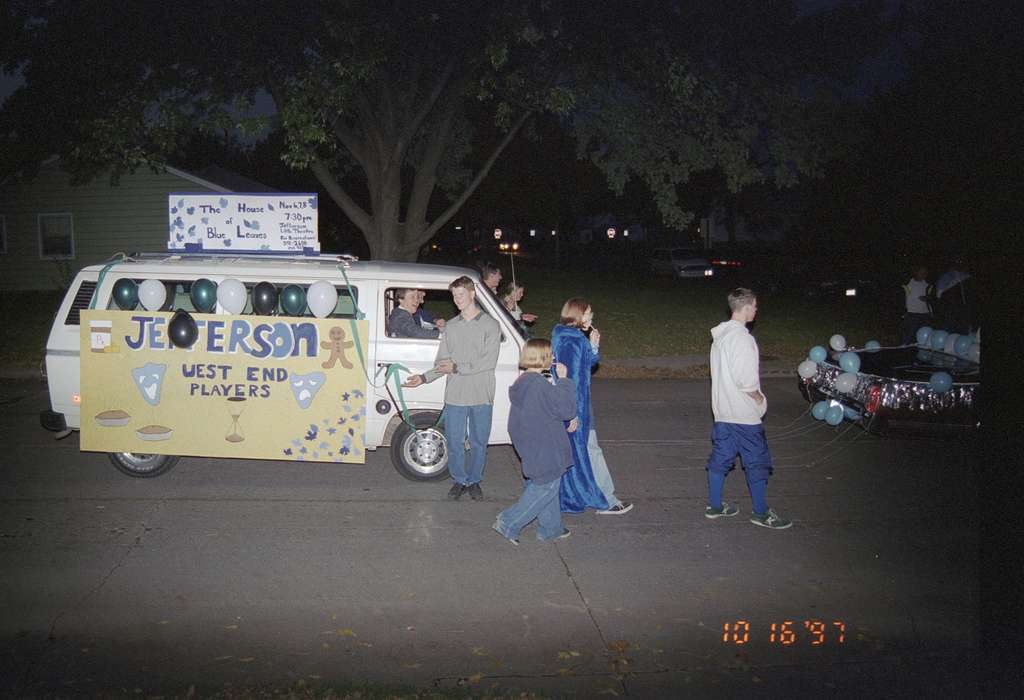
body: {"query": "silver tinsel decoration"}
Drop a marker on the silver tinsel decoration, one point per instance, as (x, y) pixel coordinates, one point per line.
(897, 395)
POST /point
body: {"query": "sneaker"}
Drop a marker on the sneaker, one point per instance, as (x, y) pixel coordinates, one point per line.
(617, 509)
(510, 540)
(726, 511)
(770, 520)
(475, 492)
(565, 534)
(456, 491)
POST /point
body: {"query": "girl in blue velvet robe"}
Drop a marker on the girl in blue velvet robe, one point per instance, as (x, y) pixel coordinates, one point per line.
(589, 484)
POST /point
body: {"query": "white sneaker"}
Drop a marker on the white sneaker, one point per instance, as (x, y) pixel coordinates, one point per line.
(618, 509)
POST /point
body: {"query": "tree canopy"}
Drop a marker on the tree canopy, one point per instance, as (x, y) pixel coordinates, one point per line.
(396, 93)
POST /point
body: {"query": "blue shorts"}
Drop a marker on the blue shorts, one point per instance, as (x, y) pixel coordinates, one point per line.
(747, 441)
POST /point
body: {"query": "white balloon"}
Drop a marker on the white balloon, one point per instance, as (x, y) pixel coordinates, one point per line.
(152, 294)
(231, 295)
(837, 342)
(974, 353)
(807, 369)
(950, 346)
(846, 382)
(322, 297)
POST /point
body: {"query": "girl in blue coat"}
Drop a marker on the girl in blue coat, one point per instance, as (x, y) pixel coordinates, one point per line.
(589, 484)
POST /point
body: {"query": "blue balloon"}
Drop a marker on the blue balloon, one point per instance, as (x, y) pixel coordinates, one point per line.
(962, 345)
(850, 413)
(819, 410)
(849, 361)
(941, 382)
(872, 346)
(818, 354)
(924, 335)
(834, 415)
(938, 340)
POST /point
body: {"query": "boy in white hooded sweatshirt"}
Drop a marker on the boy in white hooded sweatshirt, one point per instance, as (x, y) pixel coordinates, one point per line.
(738, 406)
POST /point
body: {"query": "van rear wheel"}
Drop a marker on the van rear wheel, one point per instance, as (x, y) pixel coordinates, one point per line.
(420, 454)
(142, 466)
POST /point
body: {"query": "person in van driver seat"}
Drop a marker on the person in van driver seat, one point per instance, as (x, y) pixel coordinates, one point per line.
(468, 354)
(403, 322)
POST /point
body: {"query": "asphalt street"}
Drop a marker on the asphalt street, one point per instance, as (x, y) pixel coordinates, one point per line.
(267, 573)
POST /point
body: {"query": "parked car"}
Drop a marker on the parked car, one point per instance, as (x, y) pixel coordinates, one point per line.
(680, 262)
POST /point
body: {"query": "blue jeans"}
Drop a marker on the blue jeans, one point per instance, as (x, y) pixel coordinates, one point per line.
(538, 501)
(455, 420)
(600, 469)
(747, 441)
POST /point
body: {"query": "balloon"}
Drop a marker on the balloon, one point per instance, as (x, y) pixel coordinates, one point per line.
(231, 295)
(872, 346)
(819, 410)
(941, 382)
(204, 296)
(126, 294)
(834, 416)
(849, 361)
(293, 300)
(172, 288)
(924, 355)
(182, 329)
(949, 346)
(264, 298)
(837, 342)
(924, 336)
(962, 345)
(938, 340)
(152, 294)
(807, 369)
(322, 297)
(850, 413)
(974, 353)
(846, 382)
(817, 354)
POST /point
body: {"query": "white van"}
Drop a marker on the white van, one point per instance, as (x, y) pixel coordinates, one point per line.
(419, 454)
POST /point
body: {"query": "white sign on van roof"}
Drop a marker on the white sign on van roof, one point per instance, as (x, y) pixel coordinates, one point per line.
(238, 222)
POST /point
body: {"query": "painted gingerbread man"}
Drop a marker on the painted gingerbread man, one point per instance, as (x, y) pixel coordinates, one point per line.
(337, 345)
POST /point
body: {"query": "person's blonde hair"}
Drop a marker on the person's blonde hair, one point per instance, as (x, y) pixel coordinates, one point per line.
(464, 282)
(740, 297)
(536, 354)
(572, 312)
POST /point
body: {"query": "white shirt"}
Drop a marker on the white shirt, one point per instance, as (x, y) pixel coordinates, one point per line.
(914, 290)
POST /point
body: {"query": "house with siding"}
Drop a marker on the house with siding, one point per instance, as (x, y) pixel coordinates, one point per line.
(50, 229)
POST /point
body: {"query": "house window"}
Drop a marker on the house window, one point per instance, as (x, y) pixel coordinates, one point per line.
(56, 237)
(3, 235)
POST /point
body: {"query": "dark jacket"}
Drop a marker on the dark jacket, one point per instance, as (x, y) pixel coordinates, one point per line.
(536, 425)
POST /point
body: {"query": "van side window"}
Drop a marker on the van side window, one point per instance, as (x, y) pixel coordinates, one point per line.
(422, 326)
(179, 297)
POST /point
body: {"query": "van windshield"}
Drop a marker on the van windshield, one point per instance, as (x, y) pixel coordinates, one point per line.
(483, 290)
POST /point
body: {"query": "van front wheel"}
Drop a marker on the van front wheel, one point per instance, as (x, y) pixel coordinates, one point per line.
(420, 454)
(142, 466)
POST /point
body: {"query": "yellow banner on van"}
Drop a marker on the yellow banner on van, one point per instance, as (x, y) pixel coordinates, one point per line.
(262, 387)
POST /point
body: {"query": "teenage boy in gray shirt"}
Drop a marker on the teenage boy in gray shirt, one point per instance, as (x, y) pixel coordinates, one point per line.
(468, 354)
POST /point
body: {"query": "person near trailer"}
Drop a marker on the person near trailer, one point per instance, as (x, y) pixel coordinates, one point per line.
(917, 310)
(467, 355)
(536, 424)
(589, 484)
(738, 405)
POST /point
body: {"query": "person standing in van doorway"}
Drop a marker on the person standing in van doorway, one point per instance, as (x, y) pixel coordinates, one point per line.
(738, 406)
(467, 355)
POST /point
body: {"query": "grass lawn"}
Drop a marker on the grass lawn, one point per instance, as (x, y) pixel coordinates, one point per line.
(641, 315)
(638, 315)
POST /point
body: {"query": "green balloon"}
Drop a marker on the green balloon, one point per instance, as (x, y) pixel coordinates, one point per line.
(126, 294)
(293, 300)
(204, 295)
